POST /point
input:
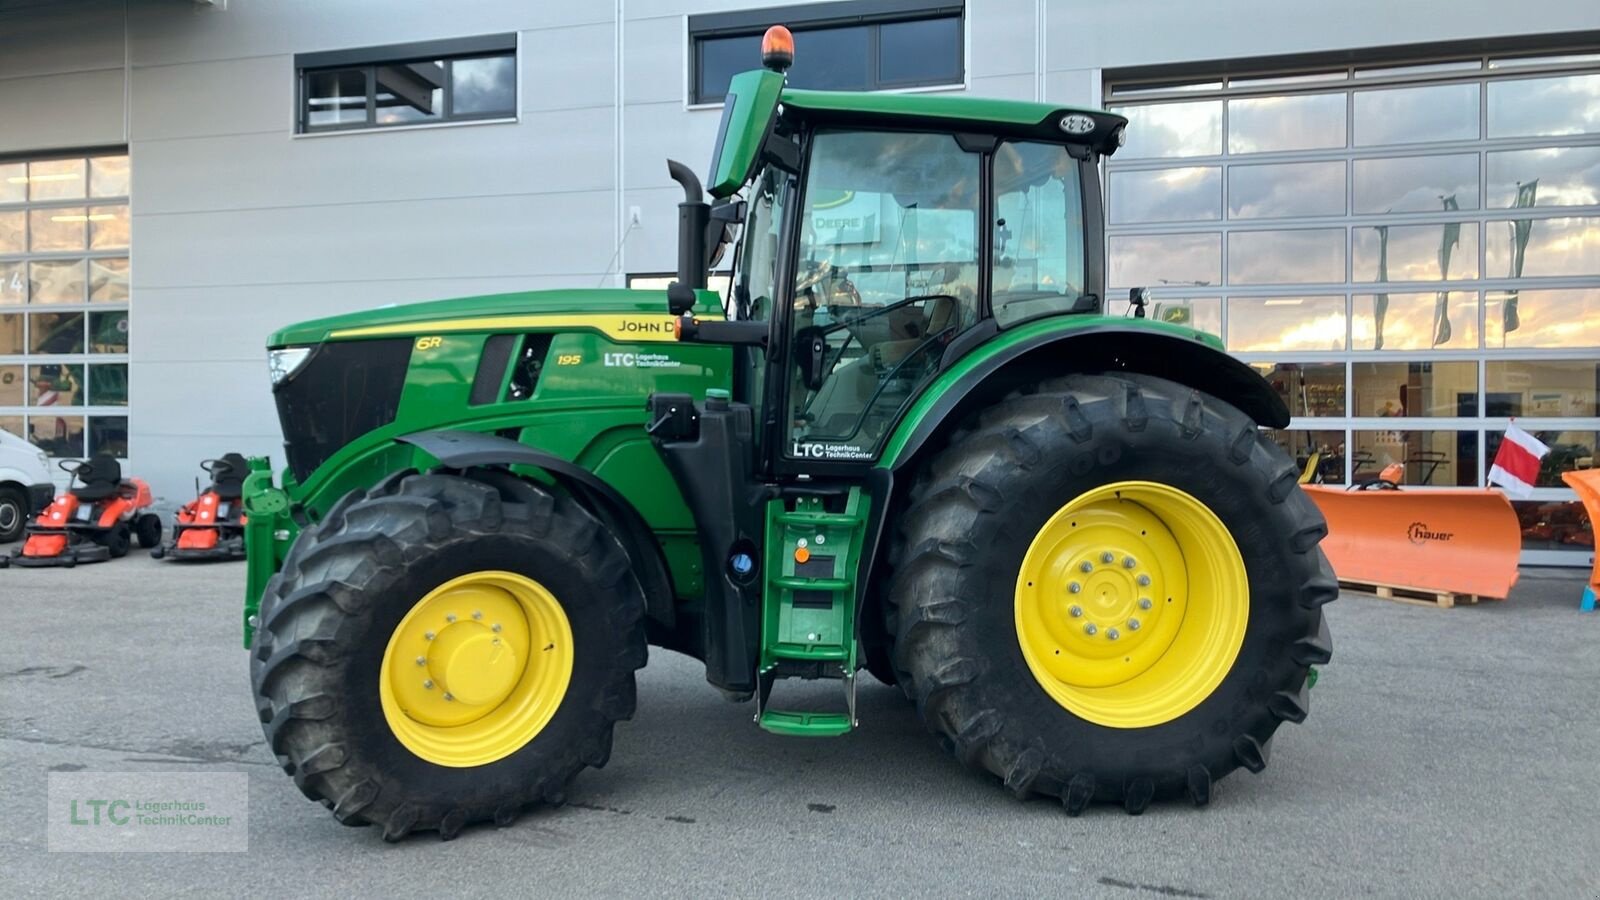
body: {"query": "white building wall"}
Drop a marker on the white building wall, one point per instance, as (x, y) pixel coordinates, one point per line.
(240, 226)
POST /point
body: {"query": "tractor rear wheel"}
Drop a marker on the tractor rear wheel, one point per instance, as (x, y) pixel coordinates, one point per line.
(118, 539)
(447, 649)
(1109, 589)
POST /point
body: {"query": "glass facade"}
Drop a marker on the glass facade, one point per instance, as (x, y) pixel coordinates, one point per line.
(64, 242)
(1409, 254)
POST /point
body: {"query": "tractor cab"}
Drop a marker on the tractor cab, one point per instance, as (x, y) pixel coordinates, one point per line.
(883, 237)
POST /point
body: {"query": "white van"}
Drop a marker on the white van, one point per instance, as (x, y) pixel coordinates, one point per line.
(25, 486)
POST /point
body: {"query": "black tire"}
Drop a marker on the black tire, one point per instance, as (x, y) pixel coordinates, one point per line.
(14, 513)
(147, 528)
(328, 616)
(972, 515)
(118, 539)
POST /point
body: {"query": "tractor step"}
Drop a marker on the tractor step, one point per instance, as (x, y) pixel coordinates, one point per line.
(808, 623)
(805, 724)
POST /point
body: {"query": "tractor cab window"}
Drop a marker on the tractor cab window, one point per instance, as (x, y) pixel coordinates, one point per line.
(1038, 232)
(886, 276)
(757, 282)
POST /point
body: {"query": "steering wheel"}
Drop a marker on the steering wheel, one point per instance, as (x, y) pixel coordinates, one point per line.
(1374, 486)
(71, 466)
(811, 345)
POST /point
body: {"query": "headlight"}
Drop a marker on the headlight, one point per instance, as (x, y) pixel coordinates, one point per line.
(283, 363)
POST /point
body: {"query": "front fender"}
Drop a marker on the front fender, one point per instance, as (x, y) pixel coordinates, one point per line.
(1066, 345)
(466, 449)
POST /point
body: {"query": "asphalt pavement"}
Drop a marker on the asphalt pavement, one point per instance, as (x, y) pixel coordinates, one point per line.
(1449, 753)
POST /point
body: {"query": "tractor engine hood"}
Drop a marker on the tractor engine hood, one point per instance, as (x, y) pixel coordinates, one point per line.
(623, 314)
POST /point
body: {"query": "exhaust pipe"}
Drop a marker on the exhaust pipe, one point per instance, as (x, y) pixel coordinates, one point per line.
(693, 216)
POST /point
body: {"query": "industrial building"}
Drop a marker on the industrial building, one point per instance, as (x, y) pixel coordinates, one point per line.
(1392, 209)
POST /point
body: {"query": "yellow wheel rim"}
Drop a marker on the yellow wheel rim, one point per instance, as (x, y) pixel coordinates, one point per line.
(1132, 603)
(476, 669)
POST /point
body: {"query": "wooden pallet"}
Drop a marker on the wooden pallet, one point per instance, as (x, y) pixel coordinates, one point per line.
(1415, 596)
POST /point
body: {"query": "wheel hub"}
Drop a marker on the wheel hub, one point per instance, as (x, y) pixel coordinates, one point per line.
(476, 668)
(1105, 604)
(1109, 564)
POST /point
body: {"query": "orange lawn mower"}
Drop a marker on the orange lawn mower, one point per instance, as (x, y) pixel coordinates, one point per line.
(96, 520)
(211, 527)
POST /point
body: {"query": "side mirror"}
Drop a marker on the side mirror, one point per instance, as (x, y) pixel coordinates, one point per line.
(726, 214)
(811, 355)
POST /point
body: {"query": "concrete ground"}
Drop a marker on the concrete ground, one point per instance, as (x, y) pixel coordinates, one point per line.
(1449, 753)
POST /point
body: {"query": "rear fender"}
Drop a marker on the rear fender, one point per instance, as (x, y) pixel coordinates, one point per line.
(467, 449)
(115, 510)
(1104, 344)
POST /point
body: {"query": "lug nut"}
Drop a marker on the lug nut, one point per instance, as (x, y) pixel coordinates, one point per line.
(428, 683)
(1144, 580)
(495, 627)
(1087, 566)
(422, 660)
(449, 696)
(1075, 611)
(450, 617)
(1133, 624)
(1089, 628)
(1144, 603)
(477, 614)
(1128, 562)
(1108, 557)
(1112, 634)
(428, 635)
(1074, 588)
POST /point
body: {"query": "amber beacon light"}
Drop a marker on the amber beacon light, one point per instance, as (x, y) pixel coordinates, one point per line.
(777, 48)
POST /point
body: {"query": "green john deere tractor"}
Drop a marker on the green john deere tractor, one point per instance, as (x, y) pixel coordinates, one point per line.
(909, 441)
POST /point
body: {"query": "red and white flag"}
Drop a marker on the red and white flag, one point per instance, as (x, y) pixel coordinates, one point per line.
(1516, 463)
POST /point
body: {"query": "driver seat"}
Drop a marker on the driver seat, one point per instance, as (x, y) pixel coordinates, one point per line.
(100, 478)
(227, 477)
(943, 313)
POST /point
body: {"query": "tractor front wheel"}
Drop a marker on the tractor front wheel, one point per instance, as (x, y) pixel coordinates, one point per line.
(447, 649)
(1109, 589)
(147, 528)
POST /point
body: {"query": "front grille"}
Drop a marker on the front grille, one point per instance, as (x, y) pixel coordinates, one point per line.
(344, 390)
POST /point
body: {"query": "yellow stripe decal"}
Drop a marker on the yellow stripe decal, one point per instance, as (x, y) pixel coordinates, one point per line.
(620, 327)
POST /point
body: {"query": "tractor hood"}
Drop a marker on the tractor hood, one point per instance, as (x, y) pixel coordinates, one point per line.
(622, 314)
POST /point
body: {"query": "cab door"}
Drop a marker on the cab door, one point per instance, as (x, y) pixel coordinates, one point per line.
(888, 270)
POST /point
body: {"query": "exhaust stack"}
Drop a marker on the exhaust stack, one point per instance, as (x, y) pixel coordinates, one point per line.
(693, 216)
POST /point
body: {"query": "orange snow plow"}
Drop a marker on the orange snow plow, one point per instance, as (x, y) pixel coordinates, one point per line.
(1587, 483)
(1463, 541)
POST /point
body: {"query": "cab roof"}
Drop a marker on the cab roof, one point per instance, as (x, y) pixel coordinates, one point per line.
(1039, 121)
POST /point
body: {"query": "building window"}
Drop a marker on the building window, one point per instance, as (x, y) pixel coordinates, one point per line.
(860, 45)
(465, 79)
(64, 303)
(1409, 254)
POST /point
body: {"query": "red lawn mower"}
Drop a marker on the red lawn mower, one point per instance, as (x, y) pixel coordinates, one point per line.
(97, 519)
(212, 526)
